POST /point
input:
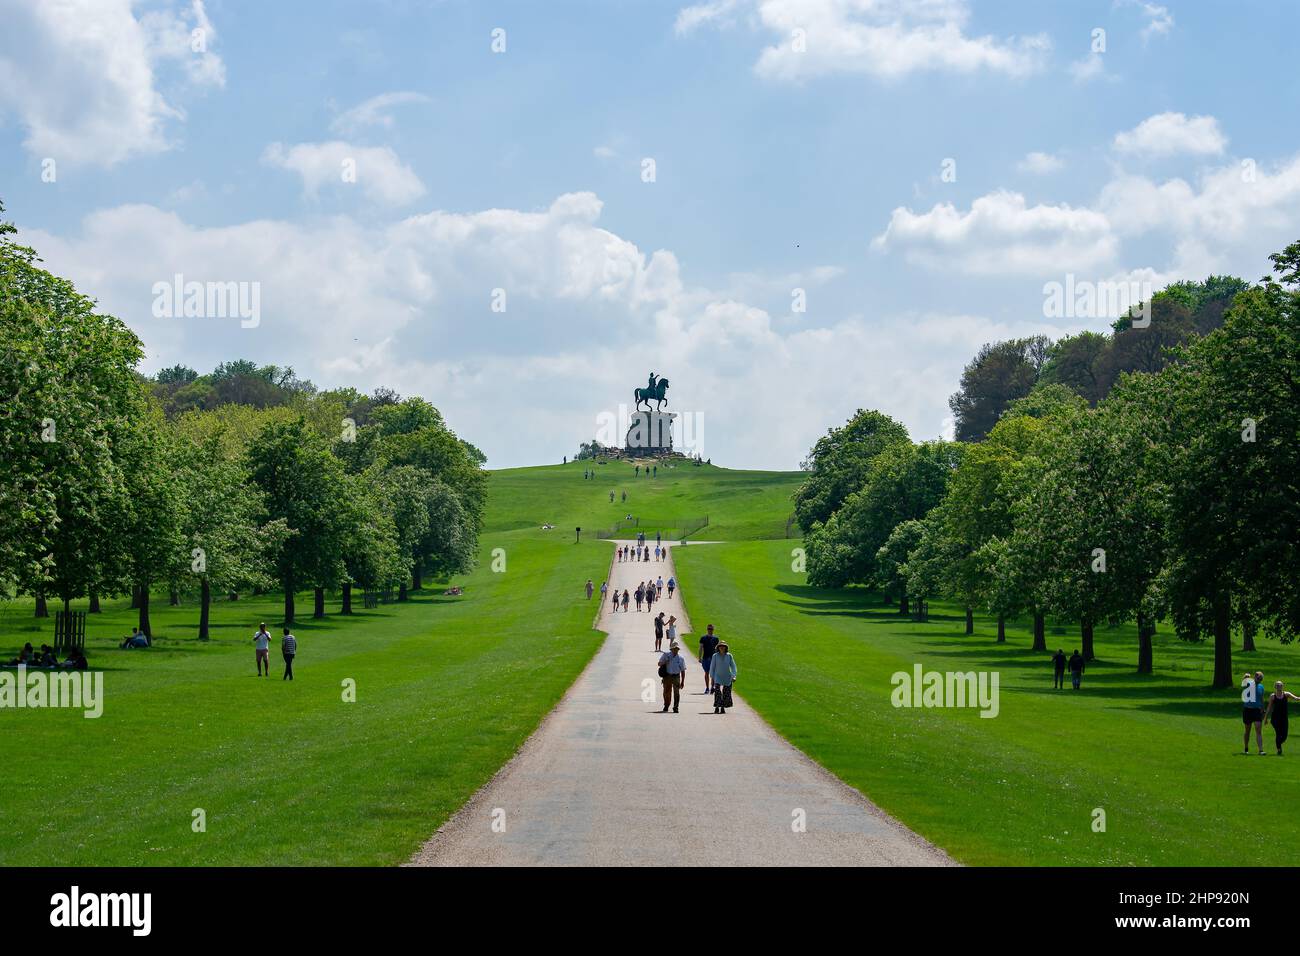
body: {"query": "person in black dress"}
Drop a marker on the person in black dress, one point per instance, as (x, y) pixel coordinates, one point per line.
(1277, 712)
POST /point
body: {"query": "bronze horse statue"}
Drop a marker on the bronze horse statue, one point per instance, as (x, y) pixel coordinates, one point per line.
(648, 395)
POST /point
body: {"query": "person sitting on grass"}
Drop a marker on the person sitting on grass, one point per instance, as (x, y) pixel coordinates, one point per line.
(135, 640)
(48, 658)
(76, 660)
(24, 656)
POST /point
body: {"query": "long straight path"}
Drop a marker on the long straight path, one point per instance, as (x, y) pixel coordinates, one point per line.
(609, 780)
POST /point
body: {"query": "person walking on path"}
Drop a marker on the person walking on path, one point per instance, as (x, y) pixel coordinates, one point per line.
(615, 601)
(672, 668)
(659, 631)
(659, 537)
(1252, 709)
(1076, 669)
(656, 552)
(1277, 713)
(708, 646)
(722, 671)
(672, 583)
(288, 648)
(262, 650)
(672, 629)
(604, 589)
(625, 600)
(650, 598)
(590, 589)
(1058, 670)
(640, 593)
(659, 585)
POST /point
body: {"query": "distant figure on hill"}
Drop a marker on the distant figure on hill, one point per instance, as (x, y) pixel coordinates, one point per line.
(1252, 709)
(611, 497)
(625, 496)
(722, 670)
(1277, 713)
(1058, 670)
(1076, 669)
(656, 471)
(590, 588)
(262, 650)
(638, 471)
(659, 537)
(289, 649)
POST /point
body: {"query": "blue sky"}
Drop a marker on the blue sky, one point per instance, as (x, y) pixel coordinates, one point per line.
(798, 145)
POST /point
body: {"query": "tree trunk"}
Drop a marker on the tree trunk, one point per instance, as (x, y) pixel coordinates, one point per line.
(1040, 635)
(1002, 629)
(1247, 632)
(417, 577)
(41, 609)
(401, 591)
(175, 598)
(319, 609)
(94, 603)
(1085, 634)
(135, 598)
(145, 629)
(288, 605)
(1222, 644)
(1145, 650)
(205, 601)
(902, 605)
(347, 598)
(970, 621)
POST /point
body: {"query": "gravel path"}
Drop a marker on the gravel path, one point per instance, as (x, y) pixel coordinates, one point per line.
(608, 780)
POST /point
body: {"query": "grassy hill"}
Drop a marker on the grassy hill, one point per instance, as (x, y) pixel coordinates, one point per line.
(447, 689)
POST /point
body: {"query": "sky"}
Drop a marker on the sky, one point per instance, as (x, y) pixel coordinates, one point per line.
(791, 209)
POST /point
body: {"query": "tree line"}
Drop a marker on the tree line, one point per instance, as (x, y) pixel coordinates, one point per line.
(1164, 492)
(254, 480)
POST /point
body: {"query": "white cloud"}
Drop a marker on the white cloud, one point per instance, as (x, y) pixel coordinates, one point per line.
(1002, 235)
(375, 170)
(1090, 67)
(1159, 20)
(82, 76)
(604, 152)
(1039, 163)
(407, 304)
(883, 38)
(1169, 134)
(376, 111)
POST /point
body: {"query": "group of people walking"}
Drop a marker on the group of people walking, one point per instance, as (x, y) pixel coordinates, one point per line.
(1060, 663)
(1260, 707)
(715, 658)
(641, 552)
(646, 593)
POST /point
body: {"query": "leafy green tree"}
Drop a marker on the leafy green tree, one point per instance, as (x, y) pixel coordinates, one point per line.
(304, 486)
(999, 374)
(838, 462)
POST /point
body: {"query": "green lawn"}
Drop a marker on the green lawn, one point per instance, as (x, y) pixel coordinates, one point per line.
(1159, 754)
(448, 688)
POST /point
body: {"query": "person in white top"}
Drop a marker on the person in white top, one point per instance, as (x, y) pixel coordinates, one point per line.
(262, 649)
(672, 668)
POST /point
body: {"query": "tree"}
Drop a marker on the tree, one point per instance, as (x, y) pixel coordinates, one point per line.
(837, 464)
(903, 482)
(304, 486)
(999, 374)
(228, 546)
(1230, 424)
